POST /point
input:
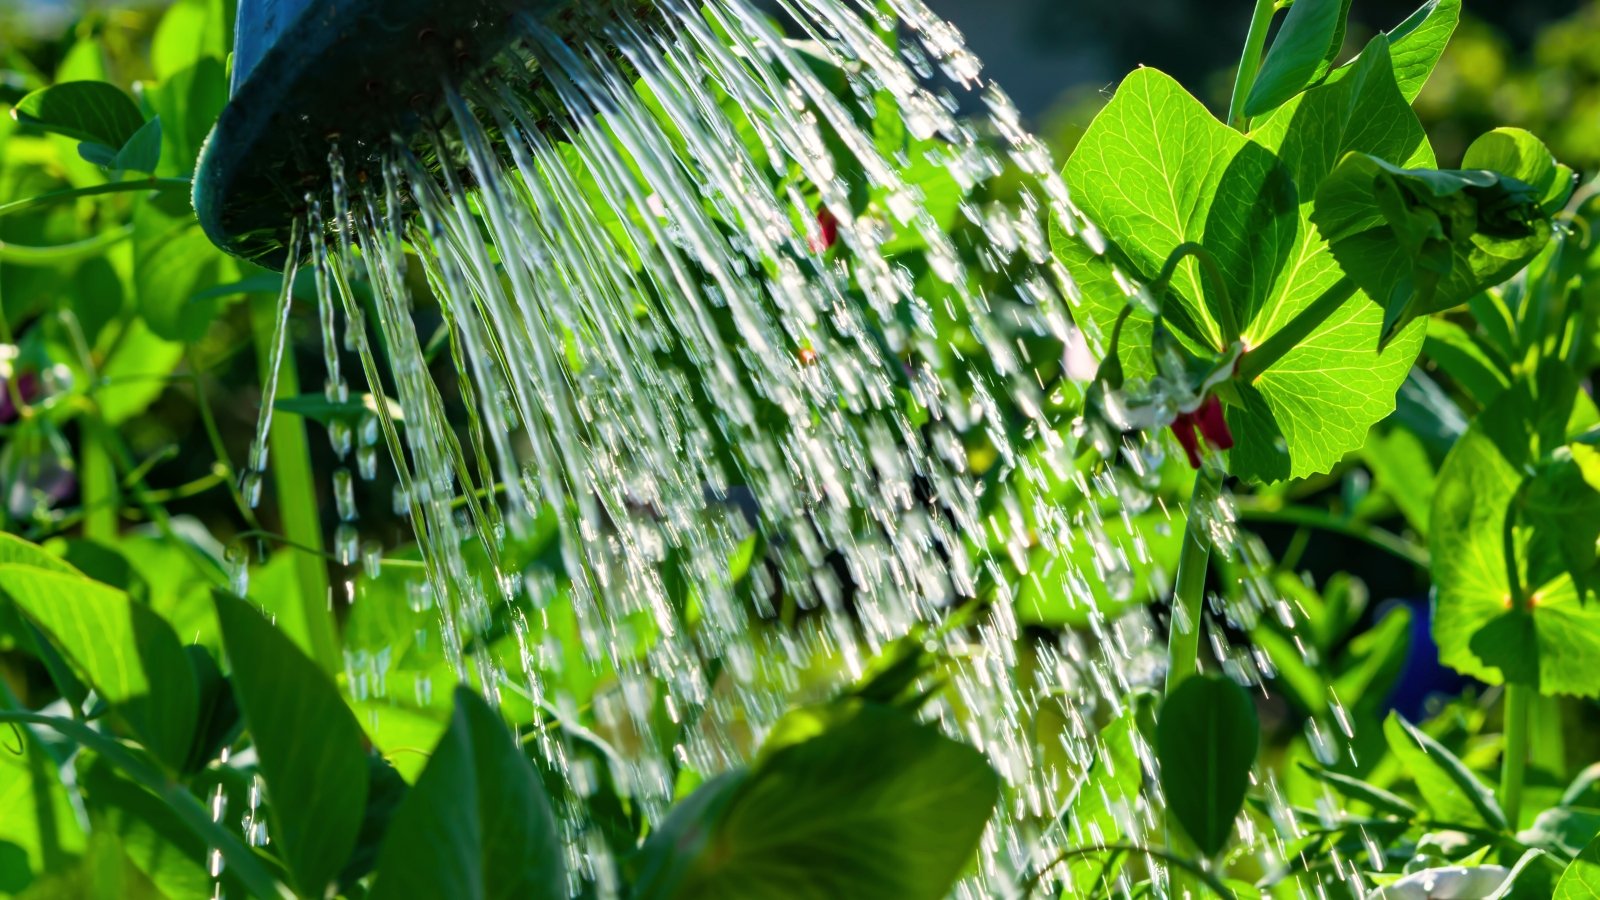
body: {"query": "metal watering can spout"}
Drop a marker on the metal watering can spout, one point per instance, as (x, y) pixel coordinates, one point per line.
(311, 74)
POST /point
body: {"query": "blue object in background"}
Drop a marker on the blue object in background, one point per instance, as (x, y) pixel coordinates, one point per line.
(1423, 675)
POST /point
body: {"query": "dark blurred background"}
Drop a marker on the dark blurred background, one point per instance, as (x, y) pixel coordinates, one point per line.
(1532, 63)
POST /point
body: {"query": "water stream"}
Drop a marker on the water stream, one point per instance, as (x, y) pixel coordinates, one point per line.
(766, 347)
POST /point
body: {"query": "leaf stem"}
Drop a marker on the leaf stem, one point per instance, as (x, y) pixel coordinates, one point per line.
(297, 498)
(1322, 520)
(1259, 359)
(115, 187)
(1184, 625)
(58, 254)
(1514, 762)
(1183, 632)
(1172, 859)
(97, 480)
(1227, 321)
(1255, 42)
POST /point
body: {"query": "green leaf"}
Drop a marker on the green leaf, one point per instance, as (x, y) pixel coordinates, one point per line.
(98, 153)
(15, 551)
(1563, 830)
(1517, 153)
(1355, 789)
(142, 151)
(307, 741)
(191, 30)
(172, 261)
(1424, 240)
(1581, 880)
(1319, 401)
(1466, 360)
(1206, 740)
(1050, 596)
(136, 372)
(218, 721)
(879, 805)
(1402, 468)
(1554, 644)
(39, 832)
(477, 824)
(386, 789)
(156, 840)
(1416, 46)
(1444, 782)
(1104, 799)
(1307, 40)
(125, 650)
(188, 103)
(83, 110)
(1160, 167)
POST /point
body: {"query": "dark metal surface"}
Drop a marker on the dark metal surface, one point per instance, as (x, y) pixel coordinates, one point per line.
(308, 73)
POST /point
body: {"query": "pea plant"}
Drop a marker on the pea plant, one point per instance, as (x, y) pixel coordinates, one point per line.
(1302, 260)
(1338, 338)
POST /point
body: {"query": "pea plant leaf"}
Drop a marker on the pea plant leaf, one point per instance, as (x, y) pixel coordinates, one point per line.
(1157, 170)
(308, 743)
(142, 151)
(1100, 810)
(1447, 786)
(1320, 400)
(92, 111)
(1416, 46)
(1206, 739)
(477, 824)
(1419, 42)
(123, 649)
(876, 805)
(1581, 880)
(1520, 155)
(1553, 643)
(1301, 53)
(1424, 240)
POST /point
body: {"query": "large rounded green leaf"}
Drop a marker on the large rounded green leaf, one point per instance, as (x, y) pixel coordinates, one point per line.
(307, 741)
(1552, 643)
(125, 650)
(878, 805)
(1155, 169)
(1206, 738)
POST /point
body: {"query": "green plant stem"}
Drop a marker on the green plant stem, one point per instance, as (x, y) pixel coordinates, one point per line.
(116, 187)
(1257, 360)
(1518, 697)
(241, 860)
(1188, 600)
(296, 496)
(1547, 742)
(1322, 520)
(1514, 763)
(97, 484)
(1177, 862)
(1183, 631)
(1255, 42)
(1224, 305)
(58, 254)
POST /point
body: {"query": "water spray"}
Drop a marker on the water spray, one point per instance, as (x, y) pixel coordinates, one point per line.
(690, 268)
